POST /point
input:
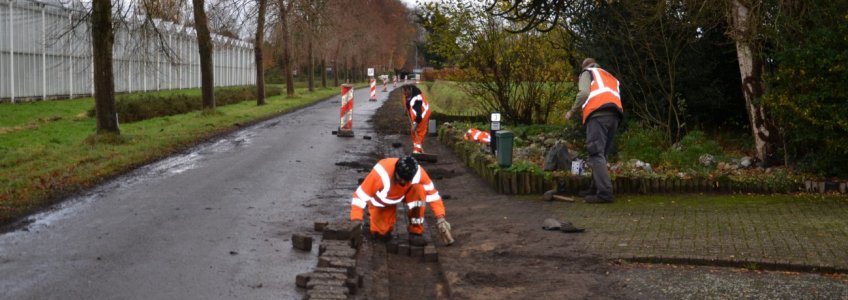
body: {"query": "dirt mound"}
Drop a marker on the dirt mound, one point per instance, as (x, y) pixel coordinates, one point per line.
(391, 118)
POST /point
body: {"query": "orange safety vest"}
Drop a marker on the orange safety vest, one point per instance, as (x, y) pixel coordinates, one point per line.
(604, 92)
(425, 106)
(380, 190)
(477, 135)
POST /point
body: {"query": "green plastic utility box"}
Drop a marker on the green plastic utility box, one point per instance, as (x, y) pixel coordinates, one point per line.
(504, 139)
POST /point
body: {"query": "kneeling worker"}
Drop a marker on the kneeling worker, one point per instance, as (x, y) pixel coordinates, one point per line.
(396, 180)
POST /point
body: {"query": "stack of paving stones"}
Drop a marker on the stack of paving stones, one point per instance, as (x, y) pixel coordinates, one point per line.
(400, 244)
(335, 276)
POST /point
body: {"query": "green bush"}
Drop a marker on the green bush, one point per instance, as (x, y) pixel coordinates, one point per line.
(806, 90)
(137, 107)
(685, 154)
(641, 142)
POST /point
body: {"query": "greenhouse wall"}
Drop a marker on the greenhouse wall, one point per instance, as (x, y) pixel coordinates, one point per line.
(45, 53)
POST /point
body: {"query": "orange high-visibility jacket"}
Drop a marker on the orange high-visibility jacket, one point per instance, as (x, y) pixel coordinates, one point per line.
(417, 113)
(604, 92)
(380, 190)
(477, 135)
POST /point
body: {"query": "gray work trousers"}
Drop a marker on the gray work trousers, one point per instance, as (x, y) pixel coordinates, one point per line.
(600, 132)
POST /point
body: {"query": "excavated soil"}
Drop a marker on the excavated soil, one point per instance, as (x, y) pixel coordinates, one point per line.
(501, 252)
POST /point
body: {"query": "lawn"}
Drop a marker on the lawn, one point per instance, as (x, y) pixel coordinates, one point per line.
(447, 97)
(46, 151)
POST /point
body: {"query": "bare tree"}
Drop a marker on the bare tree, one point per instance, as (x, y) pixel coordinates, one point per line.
(102, 38)
(258, 44)
(285, 7)
(745, 19)
(205, 48)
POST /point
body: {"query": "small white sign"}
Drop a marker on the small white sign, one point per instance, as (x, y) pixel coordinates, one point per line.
(418, 77)
(496, 125)
(371, 72)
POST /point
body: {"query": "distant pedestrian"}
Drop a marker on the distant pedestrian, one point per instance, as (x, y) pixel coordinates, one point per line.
(599, 99)
(419, 115)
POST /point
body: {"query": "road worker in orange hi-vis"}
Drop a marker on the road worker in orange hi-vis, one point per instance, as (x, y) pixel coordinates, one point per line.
(474, 134)
(393, 181)
(419, 115)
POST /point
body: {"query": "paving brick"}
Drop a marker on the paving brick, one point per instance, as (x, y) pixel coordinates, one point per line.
(325, 296)
(333, 270)
(333, 244)
(403, 249)
(416, 251)
(319, 225)
(341, 230)
(340, 252)
(302, 241)
(325, 281)
(348, 264)
(302, 279)
(322, 293)
(430, 254)
(332, 288)
(328, 276)
(392, 247)
(352, 285)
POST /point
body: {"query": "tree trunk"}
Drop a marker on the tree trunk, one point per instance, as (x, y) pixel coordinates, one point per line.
(763, 128)
(257, 51)
(287, 70)
(102, 38)
(323, 73)
(335, 73)
(311, 70)
(205, 48)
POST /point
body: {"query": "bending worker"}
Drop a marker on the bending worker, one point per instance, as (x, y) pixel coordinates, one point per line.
(419, 115)
(390, 182)
(600, 100)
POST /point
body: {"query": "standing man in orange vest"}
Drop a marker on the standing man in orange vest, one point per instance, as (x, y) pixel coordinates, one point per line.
(419, 115)
(600, 100)
(390, 182)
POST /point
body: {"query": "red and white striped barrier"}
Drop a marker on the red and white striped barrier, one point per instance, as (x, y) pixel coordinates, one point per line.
(385, 84)
(346, 112)
(373, 90)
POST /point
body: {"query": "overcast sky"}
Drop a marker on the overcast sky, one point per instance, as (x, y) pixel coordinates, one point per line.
(411, 3)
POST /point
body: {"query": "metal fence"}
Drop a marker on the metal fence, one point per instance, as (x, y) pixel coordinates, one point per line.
(45, 53)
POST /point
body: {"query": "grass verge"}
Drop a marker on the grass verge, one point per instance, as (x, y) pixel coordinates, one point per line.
(48, 151)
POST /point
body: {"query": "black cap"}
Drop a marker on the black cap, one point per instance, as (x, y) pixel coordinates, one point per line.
(406, 168)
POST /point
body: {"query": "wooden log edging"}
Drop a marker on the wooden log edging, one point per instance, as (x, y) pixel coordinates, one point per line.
(531, 183)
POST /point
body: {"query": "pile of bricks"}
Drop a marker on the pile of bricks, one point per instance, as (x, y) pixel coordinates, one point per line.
(400, 243)
(335, 276)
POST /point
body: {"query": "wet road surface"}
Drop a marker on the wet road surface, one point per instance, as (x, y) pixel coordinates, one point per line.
(212, 223)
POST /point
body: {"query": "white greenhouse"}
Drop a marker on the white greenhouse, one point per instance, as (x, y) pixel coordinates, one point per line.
(45, 53)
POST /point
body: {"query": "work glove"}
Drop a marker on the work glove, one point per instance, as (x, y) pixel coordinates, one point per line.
(445, 231)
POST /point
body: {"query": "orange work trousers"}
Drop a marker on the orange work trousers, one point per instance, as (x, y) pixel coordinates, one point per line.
(420, 132)
(383, 219)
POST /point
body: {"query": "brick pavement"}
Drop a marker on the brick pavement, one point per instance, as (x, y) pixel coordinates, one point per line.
(788, 232)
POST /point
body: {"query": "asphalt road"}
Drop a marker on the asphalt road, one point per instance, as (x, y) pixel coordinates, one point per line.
(212, 223)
